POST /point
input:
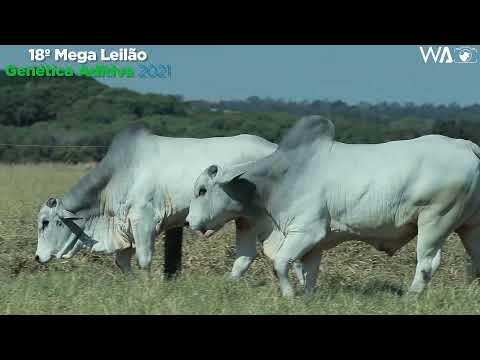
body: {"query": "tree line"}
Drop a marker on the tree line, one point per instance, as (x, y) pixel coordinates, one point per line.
(82, 111)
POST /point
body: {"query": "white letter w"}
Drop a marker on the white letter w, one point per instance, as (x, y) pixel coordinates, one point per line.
(436, 55)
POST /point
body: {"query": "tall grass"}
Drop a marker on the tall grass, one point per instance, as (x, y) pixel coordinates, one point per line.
(354, 279)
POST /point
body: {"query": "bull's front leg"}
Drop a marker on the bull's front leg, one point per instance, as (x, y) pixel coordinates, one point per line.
(299, 273)
(245, 247)
(143, 228)
(295, 247)
(272, 244)
(123, 259)
(311, 267)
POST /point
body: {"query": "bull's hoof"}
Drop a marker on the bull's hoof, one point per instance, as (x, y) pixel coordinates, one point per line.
(130, 276)
(234, 277)
(288, 294)
(309, 293)
(171, 276)
(413, 294)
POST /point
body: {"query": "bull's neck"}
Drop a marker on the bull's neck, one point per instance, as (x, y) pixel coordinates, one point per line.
(91, 227)
(256, 209)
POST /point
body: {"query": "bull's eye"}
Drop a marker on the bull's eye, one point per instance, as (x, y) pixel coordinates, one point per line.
(202, 191)
(45, 224)
(59, 223)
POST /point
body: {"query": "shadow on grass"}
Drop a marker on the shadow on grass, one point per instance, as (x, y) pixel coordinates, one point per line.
(367, 288)
(378, 286)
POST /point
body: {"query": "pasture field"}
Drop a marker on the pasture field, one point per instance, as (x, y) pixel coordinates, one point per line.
(354, 278)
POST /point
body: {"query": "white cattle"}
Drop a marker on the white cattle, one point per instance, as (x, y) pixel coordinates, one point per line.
(314, 192)
(142, 187)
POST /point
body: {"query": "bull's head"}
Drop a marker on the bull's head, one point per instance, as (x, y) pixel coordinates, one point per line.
(57, 232)
(219, 196)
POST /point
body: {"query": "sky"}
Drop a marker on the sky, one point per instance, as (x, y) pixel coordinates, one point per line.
(318, 72)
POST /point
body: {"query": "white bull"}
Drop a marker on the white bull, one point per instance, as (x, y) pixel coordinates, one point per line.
(141, 188)
(313, 193)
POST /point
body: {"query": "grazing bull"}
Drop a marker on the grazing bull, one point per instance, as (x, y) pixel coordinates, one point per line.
(142, 187)
(314, 192)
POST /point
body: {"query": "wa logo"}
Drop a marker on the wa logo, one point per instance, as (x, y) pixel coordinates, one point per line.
(444, 55)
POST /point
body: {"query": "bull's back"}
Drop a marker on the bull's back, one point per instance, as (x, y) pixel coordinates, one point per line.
(426, 155)
(167, 168)
(388, 184)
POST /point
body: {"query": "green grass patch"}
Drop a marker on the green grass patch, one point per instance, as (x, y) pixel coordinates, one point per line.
(354, 279)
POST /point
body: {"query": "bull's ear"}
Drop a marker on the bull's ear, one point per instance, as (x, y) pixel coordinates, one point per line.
(230, 175)
(212, 171)
(51, 203)
(65, 214)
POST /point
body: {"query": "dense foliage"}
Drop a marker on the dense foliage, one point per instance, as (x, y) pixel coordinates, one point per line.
(82, 111)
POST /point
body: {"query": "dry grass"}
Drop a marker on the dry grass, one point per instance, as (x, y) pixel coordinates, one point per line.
(354, 278)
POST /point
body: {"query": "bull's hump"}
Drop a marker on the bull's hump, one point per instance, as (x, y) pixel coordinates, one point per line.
(308, 130)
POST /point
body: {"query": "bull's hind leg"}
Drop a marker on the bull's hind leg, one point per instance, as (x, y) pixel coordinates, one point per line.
(470, 237)
(431, 237)
(173, 252)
